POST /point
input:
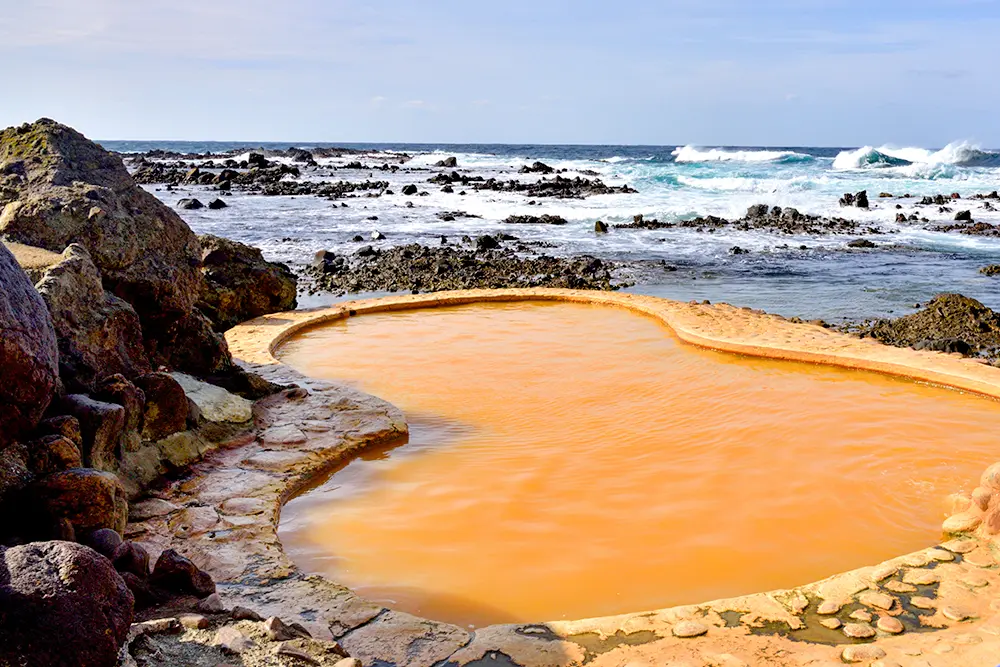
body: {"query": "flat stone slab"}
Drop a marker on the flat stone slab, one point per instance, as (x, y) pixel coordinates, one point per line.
(215, 403)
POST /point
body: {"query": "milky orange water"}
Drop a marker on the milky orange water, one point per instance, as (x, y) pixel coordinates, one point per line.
(568, 461)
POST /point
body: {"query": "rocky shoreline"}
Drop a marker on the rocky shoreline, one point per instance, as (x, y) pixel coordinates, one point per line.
(143, 465)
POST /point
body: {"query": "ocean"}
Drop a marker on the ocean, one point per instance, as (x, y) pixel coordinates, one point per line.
(799, 275)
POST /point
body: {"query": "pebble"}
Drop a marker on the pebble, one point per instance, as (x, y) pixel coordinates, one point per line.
(921, 577)
(831, 623)
(277, 631)
(861, 615)
(862, 653)
(193, 621)
(877, 600)
(244, 614)
(232, 640)
(211, 605)
(889, 624)
(954, 613)
(690, 629)
(859, 631)
(293, 652)
(899, 587)
(157, 626)
(920, 602)
(829, 607)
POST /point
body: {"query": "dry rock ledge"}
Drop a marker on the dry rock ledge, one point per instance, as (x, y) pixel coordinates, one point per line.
(934, 607)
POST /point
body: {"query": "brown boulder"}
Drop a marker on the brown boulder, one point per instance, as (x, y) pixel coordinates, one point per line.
(173, 572)
(131, 557)
(61, 604)
(102, 425)
(64, 425)
(61, 188)
(54, 453)
(98, 333)
(240, 285)
(192, 346)
(115, 389)
(166, 408)
(90, 499)
(28, 352)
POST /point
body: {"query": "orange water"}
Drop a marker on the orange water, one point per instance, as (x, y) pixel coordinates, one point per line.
(568, 461)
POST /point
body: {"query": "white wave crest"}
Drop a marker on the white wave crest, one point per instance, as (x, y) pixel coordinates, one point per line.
(958, 153)
(692, 154)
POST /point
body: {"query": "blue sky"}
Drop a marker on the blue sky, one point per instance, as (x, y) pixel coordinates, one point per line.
(708, 72)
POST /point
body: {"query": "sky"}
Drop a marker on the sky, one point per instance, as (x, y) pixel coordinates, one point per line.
(655, 72)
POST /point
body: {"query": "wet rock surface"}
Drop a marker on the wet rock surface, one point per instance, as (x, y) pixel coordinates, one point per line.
(435, 268)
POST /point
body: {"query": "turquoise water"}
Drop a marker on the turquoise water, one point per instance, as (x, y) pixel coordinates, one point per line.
(806, 276)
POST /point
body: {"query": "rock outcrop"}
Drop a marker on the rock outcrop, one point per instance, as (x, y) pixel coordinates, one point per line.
(28, 352)
(98, 333)
(61, 604)
(240, 285)
(60, 188)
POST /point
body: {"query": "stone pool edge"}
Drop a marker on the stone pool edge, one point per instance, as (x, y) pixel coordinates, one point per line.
(227, 508)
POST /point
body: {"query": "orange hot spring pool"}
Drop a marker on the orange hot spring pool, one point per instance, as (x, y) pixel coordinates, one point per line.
(571, 461)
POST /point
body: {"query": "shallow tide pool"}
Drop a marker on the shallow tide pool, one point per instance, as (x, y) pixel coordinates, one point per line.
(570, 461)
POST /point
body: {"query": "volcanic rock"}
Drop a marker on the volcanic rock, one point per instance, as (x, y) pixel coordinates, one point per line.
(89, 499)
(28, 352)
(98, 333)
(62, 605)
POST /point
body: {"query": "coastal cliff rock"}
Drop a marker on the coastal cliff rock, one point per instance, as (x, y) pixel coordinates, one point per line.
(88, 499)
(28, 352)
(98, 333)
(61, 604)
(240, 285)
(60, 188)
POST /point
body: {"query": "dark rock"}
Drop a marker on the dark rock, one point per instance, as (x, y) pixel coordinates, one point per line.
(145, 595)
(176, 573)
(62, 605)
(240, 284)
(450, 162)
(90, 499)
(257, 160)
(64, 425)
(945, 345)
(860, 243)
(900, 217)
(192, 345)
(486, 242)
(378, 236)
(98, 333)
(189, 204)
(409, 189)
(537, 168)
(104, 541)
(535, 220)
(28, 351)
(102, 425)
(736, 250)
(758, 211)
(357, 238)
(964, 216)
(991, 270)
(166, 406)
(216, 204)
(54, 453)
(131, 557)
(117, 390)
(600, 227)
(948, 317)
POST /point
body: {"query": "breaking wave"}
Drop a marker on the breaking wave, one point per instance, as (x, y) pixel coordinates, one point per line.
(684, 154)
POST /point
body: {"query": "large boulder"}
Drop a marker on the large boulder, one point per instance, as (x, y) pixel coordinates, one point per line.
(88, 499)
(102, 426)
(61, 604)
(60, 188)
(240, 285)
(98, 333)
(949, 323)
(166, 410)
(28, 352)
